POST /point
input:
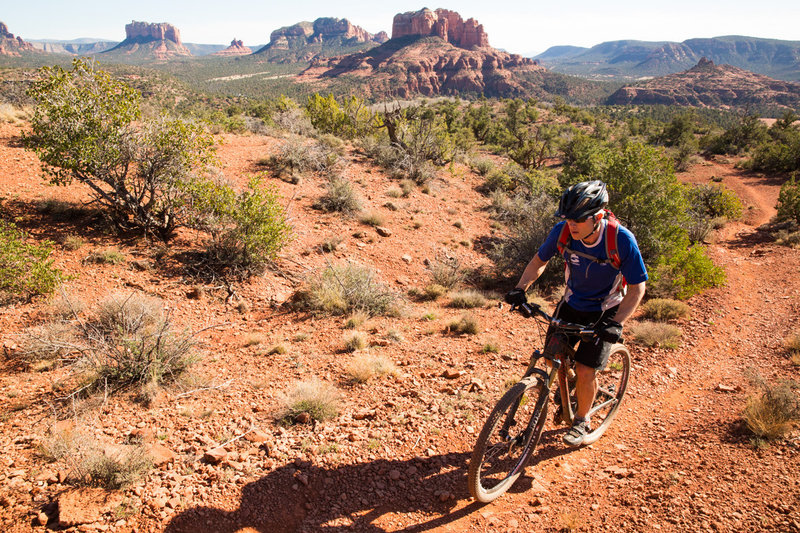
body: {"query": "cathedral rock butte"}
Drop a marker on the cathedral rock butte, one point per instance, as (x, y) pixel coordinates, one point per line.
(442, 23)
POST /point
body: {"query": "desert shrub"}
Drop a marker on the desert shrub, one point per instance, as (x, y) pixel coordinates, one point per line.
(278, 349)
(11, 113)
(355, 341)
(432, 291)
(713, 201)
(330, 244)
(372, 219)
(355, 320)
(46, 345)
(88, 464)
(88, 127)
(792, 346)
(247, 230)
(664, 309)
(527, 140)
(364, 367)
(482, 165)
(112, 256)
(26, 269)
(347, 288)
(686, 272)
(468, 299)
(349, 118)
(446, 270)
(61, 210)
(529, 220)
(789, 201)
(781, 152)
(296, 156)
(72, 242)
(467, 324)
(772, 413)
(310, 400)
(295, 121)
(656, 334)
(747, 133)
(128, 314)
(339, 196)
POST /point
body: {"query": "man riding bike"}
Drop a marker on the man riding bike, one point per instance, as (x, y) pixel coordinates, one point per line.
(603, 260)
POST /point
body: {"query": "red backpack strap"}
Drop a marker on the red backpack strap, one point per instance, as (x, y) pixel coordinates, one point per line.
(612, 230)
(563, 239)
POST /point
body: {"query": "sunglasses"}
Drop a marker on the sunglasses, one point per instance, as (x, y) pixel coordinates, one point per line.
(580, 220)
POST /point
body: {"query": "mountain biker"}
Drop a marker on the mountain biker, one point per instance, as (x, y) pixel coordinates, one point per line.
(596, 284)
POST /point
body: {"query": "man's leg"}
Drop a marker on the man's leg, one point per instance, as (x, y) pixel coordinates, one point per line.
(585, 388)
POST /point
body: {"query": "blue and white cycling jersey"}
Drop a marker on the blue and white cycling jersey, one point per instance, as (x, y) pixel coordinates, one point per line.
(595, 286)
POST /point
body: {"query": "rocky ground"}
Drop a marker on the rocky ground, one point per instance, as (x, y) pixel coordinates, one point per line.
(395, 459)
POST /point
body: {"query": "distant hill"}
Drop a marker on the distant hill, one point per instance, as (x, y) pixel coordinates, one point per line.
(438, 53)
(324, 37)
(84, 46)
(710, 85)
(638, 59)
(11, 45)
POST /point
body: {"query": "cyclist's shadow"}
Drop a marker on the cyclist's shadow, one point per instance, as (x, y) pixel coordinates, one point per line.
(308, 497)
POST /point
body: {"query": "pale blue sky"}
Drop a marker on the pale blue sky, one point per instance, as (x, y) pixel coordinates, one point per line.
(526, 28)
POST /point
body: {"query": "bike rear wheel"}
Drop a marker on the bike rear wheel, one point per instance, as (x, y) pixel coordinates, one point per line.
(612, 382)
(507, 440)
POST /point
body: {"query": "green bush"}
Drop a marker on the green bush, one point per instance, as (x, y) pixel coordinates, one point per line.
(247, 230)
(789, 201)
(713, 201)
(350, 119)
(687, 271)
(346, 288)
(88, 127)
(26, 269)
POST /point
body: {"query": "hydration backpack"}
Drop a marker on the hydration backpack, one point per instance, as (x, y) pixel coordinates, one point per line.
(611, 232)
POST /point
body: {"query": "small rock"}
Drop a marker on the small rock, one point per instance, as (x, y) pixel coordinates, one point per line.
(452, 374)
(726, 388)
(173, 503)
(383, 231)
(215, 455)
(303, 418)
(160, 454)
(394, 475)
(257, 436)
(407, 258)
(41, 519)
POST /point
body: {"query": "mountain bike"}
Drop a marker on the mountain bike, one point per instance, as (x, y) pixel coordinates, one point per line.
(514, 427)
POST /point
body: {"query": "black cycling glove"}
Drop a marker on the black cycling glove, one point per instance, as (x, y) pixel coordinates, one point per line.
(608, 330)
(516, 297)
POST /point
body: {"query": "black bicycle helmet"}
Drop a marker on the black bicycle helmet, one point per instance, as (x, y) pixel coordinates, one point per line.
(583, 199)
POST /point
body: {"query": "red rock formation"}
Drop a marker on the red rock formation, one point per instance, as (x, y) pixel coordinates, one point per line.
(152, 32)
(710, 85)
(442, 23)
(237, 48)
(10, 45)
(323, 30)
(162, 40)
(380, 37)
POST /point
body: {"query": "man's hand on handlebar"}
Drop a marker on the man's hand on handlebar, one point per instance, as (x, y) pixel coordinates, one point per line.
(516, 297)
(608, 330)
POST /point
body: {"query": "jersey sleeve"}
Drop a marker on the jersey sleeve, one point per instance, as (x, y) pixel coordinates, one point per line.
(550, 245)
(632, 263)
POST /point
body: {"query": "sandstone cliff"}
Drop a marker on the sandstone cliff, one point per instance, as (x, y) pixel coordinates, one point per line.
(237, 48)
(159, 40)
(442, 23)
(710, 85)
(10, 45)
(325, 31)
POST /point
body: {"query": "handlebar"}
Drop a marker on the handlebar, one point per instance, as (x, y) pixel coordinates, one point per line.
(529, 310)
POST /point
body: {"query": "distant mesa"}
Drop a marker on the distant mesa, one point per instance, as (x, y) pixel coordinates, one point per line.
(10, 45)
(710, 85)
(160, 40)
(237, 48)
(432, 53)
(440, 23)
(324, 31)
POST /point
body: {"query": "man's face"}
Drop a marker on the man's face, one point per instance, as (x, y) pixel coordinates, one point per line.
(580, 228)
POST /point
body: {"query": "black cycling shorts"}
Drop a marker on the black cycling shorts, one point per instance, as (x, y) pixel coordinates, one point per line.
(593, 354)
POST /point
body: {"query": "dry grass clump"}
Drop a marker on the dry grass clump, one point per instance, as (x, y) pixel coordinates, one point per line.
(772, 413)
(357, 319)
(339, 196)
(656, 334)
(105, 257)
(12, 114)
(355, 341)
(372, 219)
(430, 292)
(468, 299)
(665, 309)
(792, 345)
(367, 366)
(89, 464)
(446, 270)
(467, 324)
(347, 288)
(126, 341)
(310, 400)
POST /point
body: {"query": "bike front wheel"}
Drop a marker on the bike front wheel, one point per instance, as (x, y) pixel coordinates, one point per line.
(507, 439)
